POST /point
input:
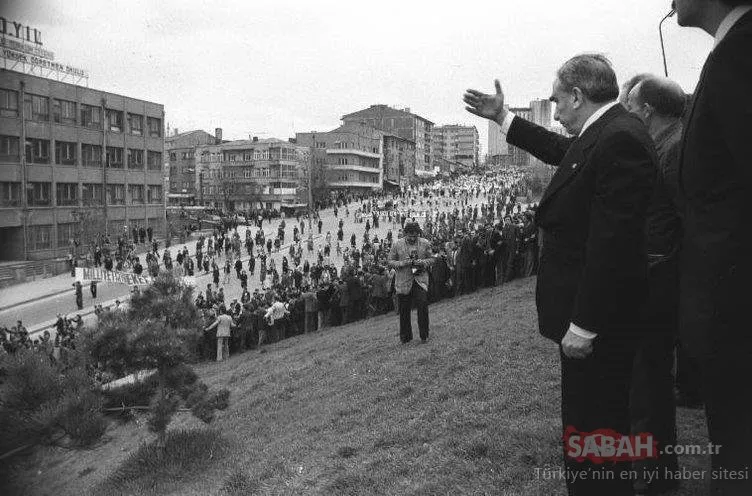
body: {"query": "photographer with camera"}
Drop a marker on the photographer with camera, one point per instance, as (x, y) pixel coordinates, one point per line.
(412, 256)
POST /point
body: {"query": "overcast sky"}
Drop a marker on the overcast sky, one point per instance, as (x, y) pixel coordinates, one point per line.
(272, 68)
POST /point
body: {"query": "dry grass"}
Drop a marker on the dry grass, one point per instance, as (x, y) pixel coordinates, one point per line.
(351, 411)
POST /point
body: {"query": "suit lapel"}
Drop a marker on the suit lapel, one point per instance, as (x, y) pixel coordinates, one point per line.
(698, 91)
(576, 156)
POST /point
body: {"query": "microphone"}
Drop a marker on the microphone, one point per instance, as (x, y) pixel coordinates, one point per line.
(660, 34)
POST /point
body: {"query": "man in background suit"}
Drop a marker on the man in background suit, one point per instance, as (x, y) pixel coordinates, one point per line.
(659, 103)
(593, 268)
(715, 177)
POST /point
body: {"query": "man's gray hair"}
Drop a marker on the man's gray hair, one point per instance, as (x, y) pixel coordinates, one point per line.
(592, 74)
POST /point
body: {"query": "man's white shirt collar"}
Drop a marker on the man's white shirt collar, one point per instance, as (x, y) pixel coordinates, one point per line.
(596, 115)
(728, 22)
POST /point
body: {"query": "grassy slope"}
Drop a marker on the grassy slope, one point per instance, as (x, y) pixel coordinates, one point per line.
(351, 411)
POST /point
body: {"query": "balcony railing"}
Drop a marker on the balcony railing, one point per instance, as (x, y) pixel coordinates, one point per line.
(352, 151)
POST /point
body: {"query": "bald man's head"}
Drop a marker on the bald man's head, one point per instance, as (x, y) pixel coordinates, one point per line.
(663, 95)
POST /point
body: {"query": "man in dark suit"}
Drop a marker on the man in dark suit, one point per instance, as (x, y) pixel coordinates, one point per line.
(593, 268)
(659, 103)
(715, 178)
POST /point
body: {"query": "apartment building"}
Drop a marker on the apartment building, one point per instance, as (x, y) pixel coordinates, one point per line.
(404, 124)
(245, 175)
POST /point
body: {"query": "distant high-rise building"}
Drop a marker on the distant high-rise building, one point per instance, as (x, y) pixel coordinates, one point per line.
(456, 143)
(404, 124)
(540, 111)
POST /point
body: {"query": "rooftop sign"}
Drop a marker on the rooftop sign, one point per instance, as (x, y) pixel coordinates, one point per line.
(21, 50)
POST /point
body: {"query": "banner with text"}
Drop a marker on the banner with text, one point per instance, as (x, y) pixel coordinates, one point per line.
(94, 274)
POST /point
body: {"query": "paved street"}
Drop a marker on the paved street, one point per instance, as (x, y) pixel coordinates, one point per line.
(38, 312)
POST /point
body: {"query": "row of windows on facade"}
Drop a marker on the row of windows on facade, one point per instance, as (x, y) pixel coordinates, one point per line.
(37, 151)
(355, 178)
(40, 236)
(38, 194)
(37, 108)
(285, 172)
(240, 189)
(274, 153)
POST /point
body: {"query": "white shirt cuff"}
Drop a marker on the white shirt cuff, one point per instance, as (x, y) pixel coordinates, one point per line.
(507, 123)
(582, 332)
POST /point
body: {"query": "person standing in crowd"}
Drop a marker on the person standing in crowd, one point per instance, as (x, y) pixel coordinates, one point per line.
(715, 179)
(79, 294)
(593, 271)
(222, 324)
(411, 257)
(93, 289)
(659, 103)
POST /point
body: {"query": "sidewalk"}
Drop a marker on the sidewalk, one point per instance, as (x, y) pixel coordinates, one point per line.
(28, 292)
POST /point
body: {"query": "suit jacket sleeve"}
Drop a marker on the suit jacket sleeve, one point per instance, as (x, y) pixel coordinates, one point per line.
(615, 269)
(734, 78)
(546, 145)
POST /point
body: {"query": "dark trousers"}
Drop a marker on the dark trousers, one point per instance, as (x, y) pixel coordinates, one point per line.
(595, 395)
(419, 296)
(727, 396)
(652, 405)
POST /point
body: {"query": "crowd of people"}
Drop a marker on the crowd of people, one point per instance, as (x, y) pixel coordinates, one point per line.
(479, 234)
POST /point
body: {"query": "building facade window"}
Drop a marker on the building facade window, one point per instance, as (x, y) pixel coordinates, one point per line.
(67, 194)
(153, 160)
(154, 194)
(91, 155)
(65, 153)
(114, 120)
(91, 116)
(10, 194)
(155, 127)
(115, 194)
(8, 103)
(37, 151)
(114, 157)
(64, 111)
(38, 194)
(136, 193)
(9, 148)
(36, 107)
(40, 237)
(135, 159)
(65, 233)
(136, 124)
(92, 193)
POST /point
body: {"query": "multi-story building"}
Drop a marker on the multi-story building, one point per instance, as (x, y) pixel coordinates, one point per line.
(245, 175)
(402, 123)
(181, 159)
(74, 162)
(540, 112)
(351, 156)
(456, 143)
(399, 160)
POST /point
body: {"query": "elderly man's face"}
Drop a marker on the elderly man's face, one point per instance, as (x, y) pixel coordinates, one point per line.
(411, 238)
(566, 108)
(633, 104)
